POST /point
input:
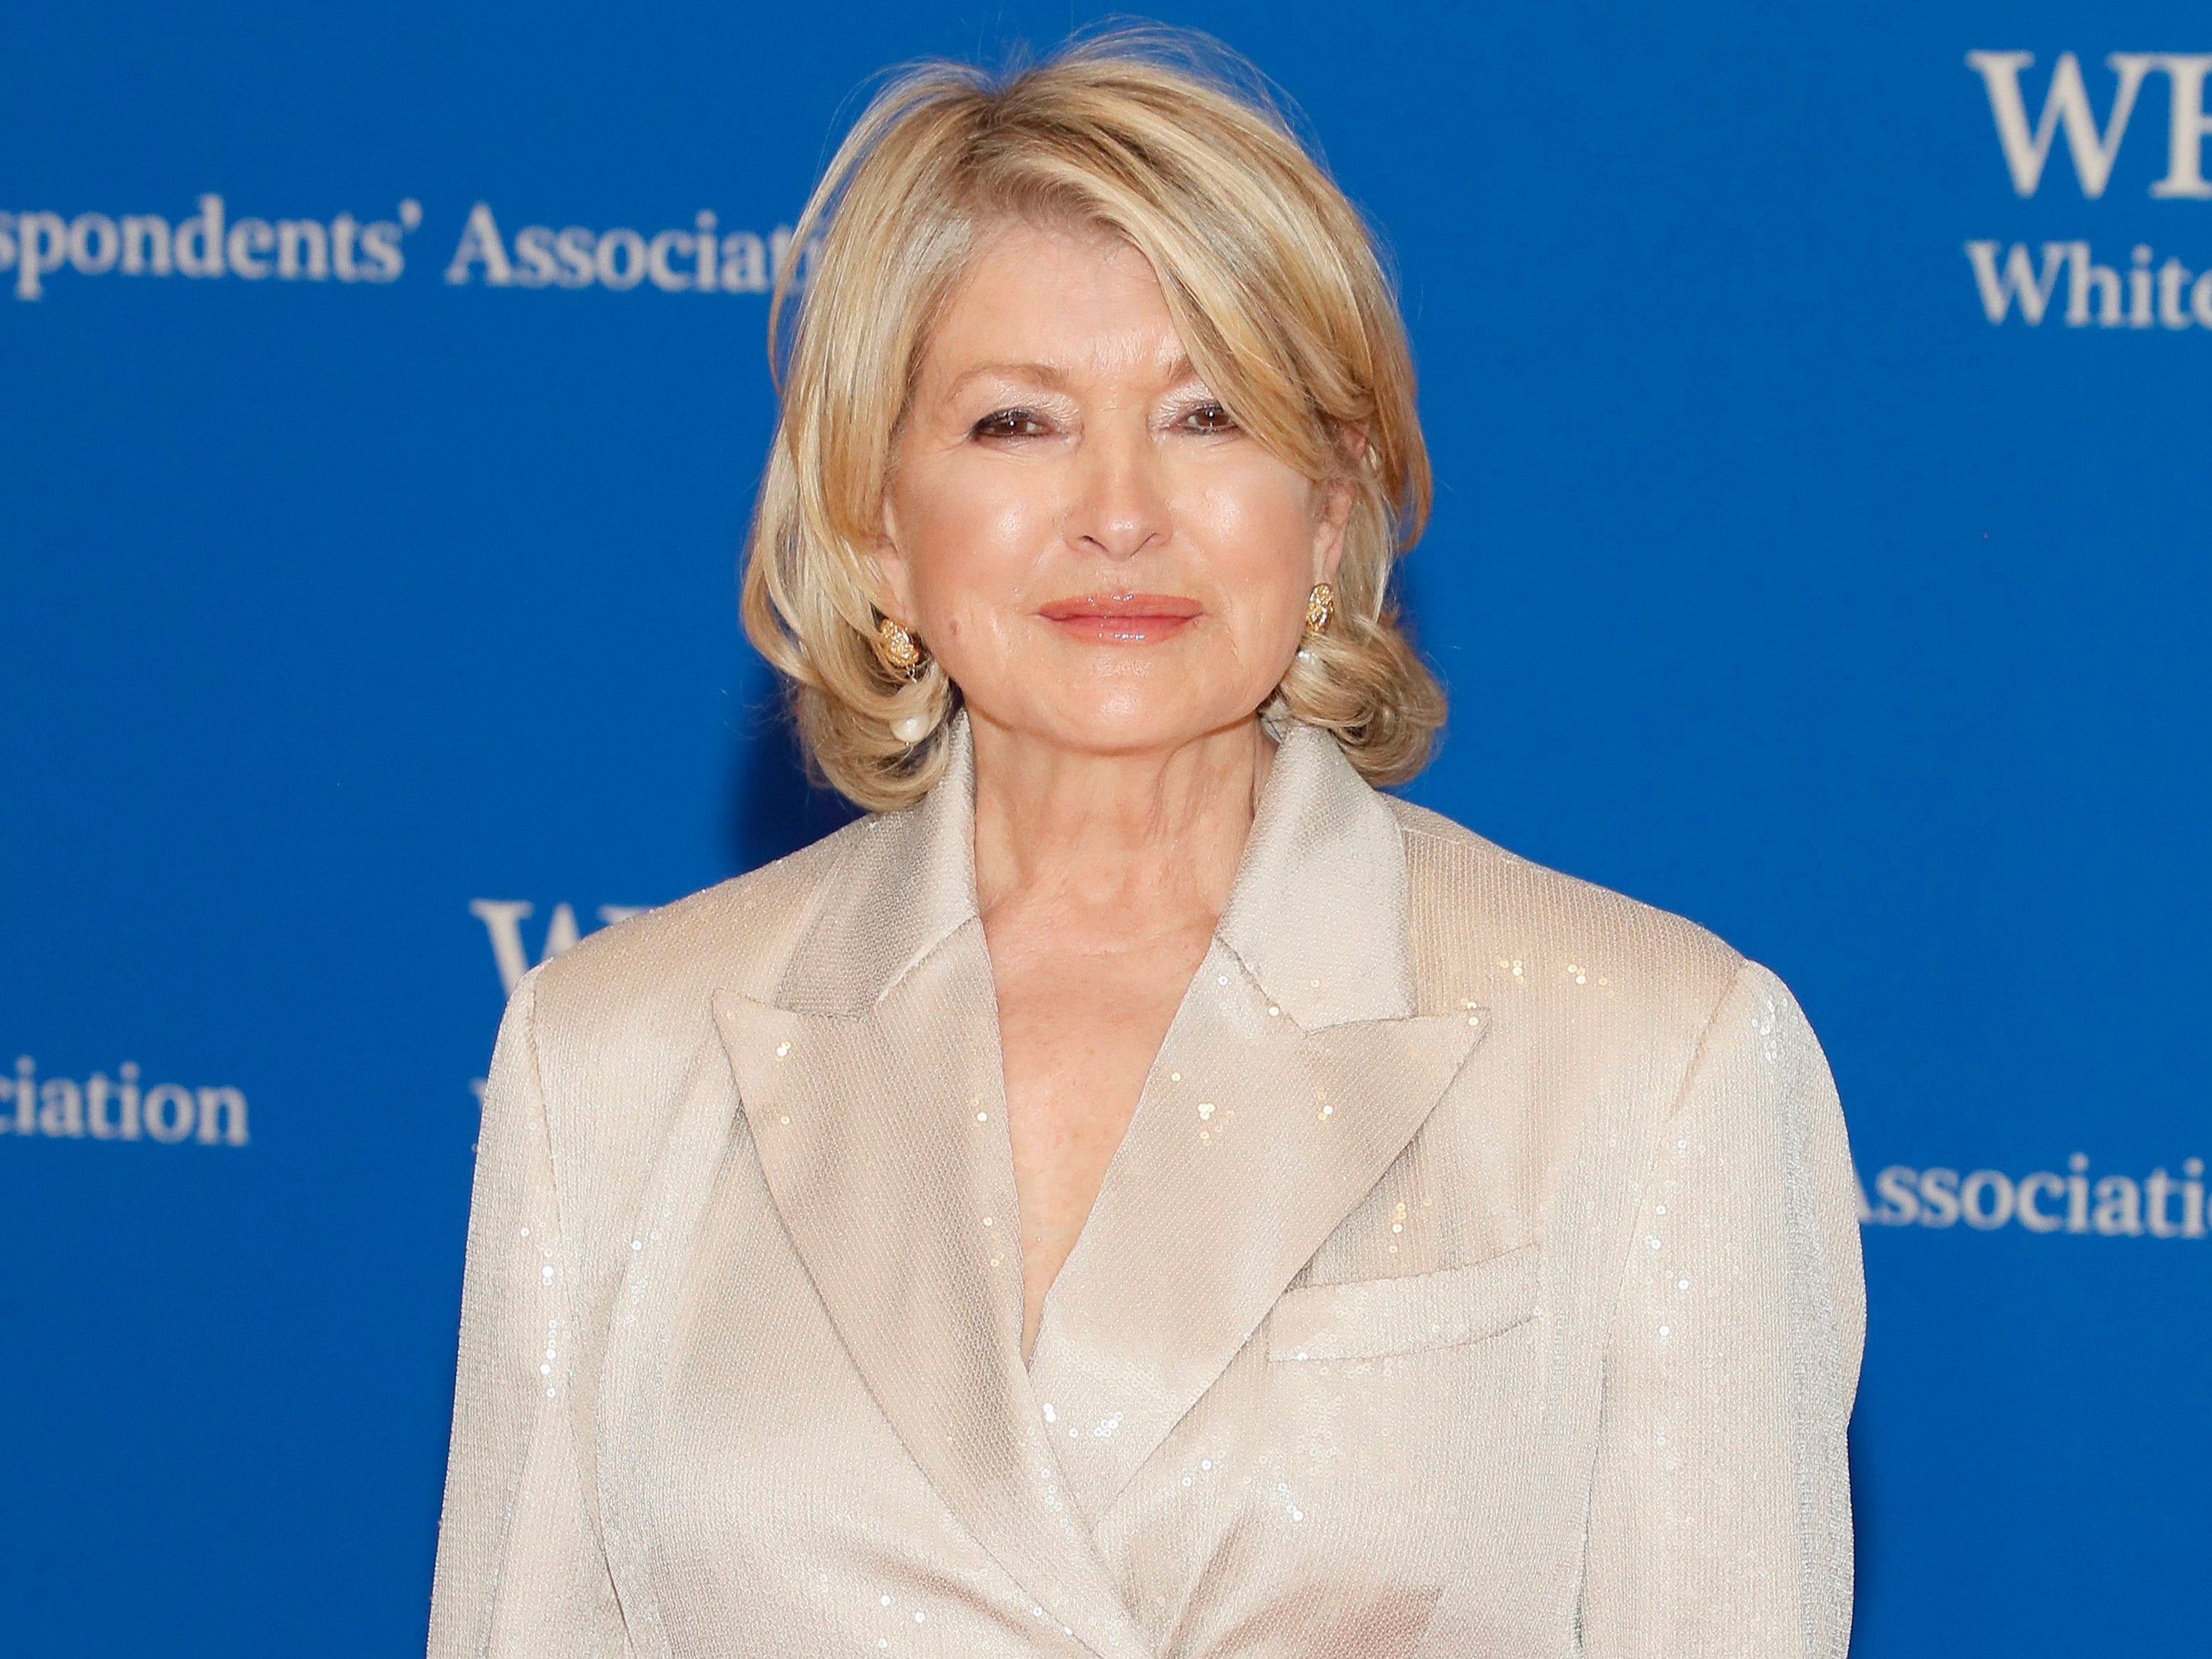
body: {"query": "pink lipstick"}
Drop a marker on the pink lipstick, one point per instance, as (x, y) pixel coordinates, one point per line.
(1121, 618)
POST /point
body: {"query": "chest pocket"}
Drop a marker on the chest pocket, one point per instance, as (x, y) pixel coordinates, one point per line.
(1369, 1318)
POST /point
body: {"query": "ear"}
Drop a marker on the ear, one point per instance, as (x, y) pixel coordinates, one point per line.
(894, 571)
(1335, 498)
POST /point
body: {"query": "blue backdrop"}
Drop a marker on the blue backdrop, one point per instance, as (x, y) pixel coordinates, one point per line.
(1820, 552)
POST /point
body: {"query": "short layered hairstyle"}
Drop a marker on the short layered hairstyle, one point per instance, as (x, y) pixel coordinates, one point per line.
(1274, 283)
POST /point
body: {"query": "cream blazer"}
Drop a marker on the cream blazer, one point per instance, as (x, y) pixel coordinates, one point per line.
(1479, 1275)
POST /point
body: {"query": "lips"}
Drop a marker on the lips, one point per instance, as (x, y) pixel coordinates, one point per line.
(1121, 618)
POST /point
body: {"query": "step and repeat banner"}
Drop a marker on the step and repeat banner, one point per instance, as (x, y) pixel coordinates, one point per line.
(1822, 400)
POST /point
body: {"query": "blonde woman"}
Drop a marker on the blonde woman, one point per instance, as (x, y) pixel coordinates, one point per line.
(1140, 1191)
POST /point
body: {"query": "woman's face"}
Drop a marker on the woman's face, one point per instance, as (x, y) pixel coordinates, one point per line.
(1073, 526)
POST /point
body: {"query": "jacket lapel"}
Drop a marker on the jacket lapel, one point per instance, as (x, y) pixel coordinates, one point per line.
(873, 1086)
(1295, 1072)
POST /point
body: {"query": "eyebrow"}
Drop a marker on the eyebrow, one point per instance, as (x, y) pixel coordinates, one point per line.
(1051, 375)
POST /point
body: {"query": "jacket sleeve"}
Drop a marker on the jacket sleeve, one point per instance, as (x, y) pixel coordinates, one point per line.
(1721, 1520)
(520, 1570)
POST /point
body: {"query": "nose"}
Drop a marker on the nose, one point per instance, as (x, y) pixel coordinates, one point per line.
(1120, 504)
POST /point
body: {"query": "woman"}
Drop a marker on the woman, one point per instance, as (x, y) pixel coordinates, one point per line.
(1142, 1191)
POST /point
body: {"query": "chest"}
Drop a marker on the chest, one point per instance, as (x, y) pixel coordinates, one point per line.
(1079, 1031)
(1241, 1391)
(1367, 1445)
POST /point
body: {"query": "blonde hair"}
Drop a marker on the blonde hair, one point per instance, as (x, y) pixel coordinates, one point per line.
(1274, 286)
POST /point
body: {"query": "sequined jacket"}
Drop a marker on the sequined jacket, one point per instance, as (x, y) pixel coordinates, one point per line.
(1479, 1275)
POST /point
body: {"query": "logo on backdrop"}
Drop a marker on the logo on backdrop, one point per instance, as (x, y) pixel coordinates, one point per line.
(2066, 281)
(2081, 1201)
(502, 921)
(40, 246)
(702, 260)
(119, 1108)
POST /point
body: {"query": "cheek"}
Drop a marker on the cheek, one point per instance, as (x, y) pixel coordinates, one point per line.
(1257, 536)
(970, 548)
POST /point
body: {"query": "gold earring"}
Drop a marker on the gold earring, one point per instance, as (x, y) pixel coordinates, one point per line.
(898, 647)
(1321, 605)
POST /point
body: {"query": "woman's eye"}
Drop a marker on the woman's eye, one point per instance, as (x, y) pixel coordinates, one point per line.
(1209, 417)
(1009, 423)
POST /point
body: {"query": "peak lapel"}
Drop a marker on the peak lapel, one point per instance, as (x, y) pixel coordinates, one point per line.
(1295, 1072)
(873, 1087)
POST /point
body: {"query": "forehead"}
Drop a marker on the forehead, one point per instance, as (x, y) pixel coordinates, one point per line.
(1074, 299)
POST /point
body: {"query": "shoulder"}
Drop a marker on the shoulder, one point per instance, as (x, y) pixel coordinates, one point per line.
(633, 996)
(617, 1034)
(1488, 925)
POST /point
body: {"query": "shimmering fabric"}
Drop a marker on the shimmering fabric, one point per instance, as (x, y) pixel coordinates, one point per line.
(1479, 1275)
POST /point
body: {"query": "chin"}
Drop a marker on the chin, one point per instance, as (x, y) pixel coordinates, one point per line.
(1126, 724)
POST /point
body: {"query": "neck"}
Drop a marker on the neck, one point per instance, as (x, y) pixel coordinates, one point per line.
(1116, 845)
